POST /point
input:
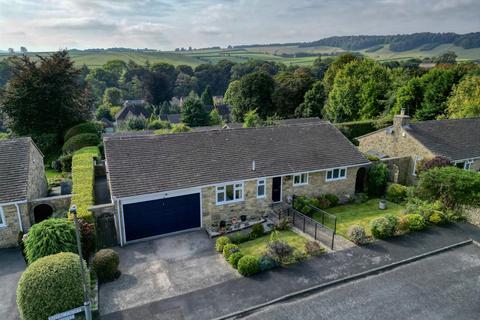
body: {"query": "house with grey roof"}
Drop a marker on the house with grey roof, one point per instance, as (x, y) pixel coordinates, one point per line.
(130, 109)
(455, 139)
(163, 184)
(22, 179)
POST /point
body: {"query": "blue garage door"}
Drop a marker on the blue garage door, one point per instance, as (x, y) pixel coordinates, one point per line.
(157, 217)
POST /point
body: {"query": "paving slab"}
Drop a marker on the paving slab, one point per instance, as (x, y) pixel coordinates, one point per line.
(12, 266)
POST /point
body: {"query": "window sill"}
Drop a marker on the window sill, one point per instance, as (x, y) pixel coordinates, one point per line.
(228, 202)
(337, 179)
(261, 197)
(300, 184)
(3, 226)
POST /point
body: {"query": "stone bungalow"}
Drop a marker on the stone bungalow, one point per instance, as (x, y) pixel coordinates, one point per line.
(455, 139)
(22, 179)
(162, 184)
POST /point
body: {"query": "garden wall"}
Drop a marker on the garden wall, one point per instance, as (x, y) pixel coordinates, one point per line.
(472, 214)
(400, 170)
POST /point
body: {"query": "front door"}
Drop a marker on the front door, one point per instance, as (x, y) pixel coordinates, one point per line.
(277, 189)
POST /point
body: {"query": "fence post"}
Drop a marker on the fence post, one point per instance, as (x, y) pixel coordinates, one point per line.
(334, 231)
(315, 231)
(293, 216)
(304, 224)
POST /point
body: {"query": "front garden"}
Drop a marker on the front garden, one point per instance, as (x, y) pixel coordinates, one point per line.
(258, 251)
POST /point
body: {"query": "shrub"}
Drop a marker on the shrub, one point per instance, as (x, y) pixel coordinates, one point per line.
(47, 143)
(88, 237)
(267, 263)
(437, 218)
(49, 237)
(424, 208)
(248, 265)
(49, 286)
(382, 228)
(357, 234)
(180, 127)
(87, 127)
(305, 204)
(312, 248)
(66, 162)
(377, 177)
(234, 258)
(257, 231)
(396, 193)
(323, 203)
(282, 225)
(228, 249)
(220, 243)
(436, 162)
(451, 185)
(333, 199)
(105, 264)
(239, 237)
(415, 222)
(21, 243)
(83, 180)
(158, 124)
(79, 141)
(136, 123)
(279, 251)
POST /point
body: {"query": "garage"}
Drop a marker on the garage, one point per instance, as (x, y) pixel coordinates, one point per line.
(161, 216)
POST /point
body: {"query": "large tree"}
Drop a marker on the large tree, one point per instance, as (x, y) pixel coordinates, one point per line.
(465, 99)
(290, 89)
(313, 103)
(45, 96)
(207, 98)
(193, 112)
(337, 65)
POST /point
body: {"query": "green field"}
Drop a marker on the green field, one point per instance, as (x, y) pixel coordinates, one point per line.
(197, 57)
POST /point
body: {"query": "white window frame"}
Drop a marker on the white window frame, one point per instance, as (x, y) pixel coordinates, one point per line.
(3, 222)
(300, 175)
(237, 186)
(262, 183)
(467, 165)
(340, 177)
(416, 160)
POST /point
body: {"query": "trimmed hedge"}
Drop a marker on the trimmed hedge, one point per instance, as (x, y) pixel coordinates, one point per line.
(105, 264)
(229, 249)
(87, 127)
(79, 141)
(83, 177)
(50, 285)
(49, 237)
(356, 129)
(221, 242)
(415, 222)
(396, 193)
(248, 265)
(234, 258)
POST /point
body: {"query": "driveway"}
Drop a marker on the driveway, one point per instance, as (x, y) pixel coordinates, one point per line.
(163, 268)
(445, 286)
(11, 267)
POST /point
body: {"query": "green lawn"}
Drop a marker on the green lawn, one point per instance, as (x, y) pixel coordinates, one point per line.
(53, 175)
(360, 214)
(258, 246)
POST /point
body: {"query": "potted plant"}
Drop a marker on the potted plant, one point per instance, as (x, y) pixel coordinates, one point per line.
(382, 204)
(243, 217)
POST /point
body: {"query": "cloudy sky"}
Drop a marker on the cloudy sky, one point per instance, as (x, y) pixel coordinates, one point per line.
(166, 24)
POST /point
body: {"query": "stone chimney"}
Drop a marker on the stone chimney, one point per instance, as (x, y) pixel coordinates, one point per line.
(401, 120)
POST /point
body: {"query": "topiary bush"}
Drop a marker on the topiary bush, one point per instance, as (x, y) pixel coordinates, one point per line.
(267, 263)
(357, 234)
(396, 193)
(50, 285)
(80, 141)
(257, 231)
(248, 265)
(88, 238)
(234, 258)
(228, 249)
(220, 243)
(382, 228)
(415, 222)
(87, 127)
(66, 162)
(312, 248)
(105, 264)
(49, 237)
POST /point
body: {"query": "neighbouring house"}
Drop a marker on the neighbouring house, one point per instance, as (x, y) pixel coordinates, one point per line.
(22, 180)
(224, 110)
(173, 118)
(455, 139)
(131, 108)
(162, 184)
(108, 126)
(427, 65)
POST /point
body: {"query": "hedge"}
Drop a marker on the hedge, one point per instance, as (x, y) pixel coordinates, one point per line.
(87, 127)
(80, 141)
(356, 129)
(50, 285)
(83, 178)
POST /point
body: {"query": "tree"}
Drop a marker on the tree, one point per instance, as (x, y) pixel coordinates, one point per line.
(334, 68)
(252, 91)
(409, 97)
(113, 97)
(290, 89)
(465, 99)
(252, 119)
(46, 96)
(359, 92)
(313, 103)
(103, 111)
(23, 50)
(447, 57)
(215, 118)
(185, 69)
(207, 98)
(185, 84)
(117, 67)
(193, 112)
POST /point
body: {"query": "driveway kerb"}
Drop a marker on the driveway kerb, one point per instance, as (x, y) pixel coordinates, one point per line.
(364, 274)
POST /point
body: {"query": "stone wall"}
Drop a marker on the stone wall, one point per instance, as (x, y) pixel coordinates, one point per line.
(9, 233)
(59, 204)
(37, 182)
(400, 170)
(472, 214)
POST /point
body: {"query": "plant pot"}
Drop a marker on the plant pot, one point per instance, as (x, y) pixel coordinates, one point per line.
(382, 205)
(223, 223)
(243, 218)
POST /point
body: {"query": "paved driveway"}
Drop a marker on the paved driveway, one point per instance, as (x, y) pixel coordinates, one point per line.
(163, 268)
(11, 267)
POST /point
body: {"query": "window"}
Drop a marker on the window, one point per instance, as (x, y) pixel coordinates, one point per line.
(415, 165)
(230, 193)
(261, 188)
(300, 179)
(3, 223)
(336, 174)
(466, 165)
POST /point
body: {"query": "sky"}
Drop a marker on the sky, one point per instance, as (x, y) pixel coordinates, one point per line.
(45, 25)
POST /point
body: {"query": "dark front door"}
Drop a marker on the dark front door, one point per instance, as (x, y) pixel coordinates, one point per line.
(162, 216)
(277, 189)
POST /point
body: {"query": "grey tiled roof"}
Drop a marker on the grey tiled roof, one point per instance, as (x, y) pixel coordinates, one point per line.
(149, 164)
(134, 109)
(14, 164)
(456, 139)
